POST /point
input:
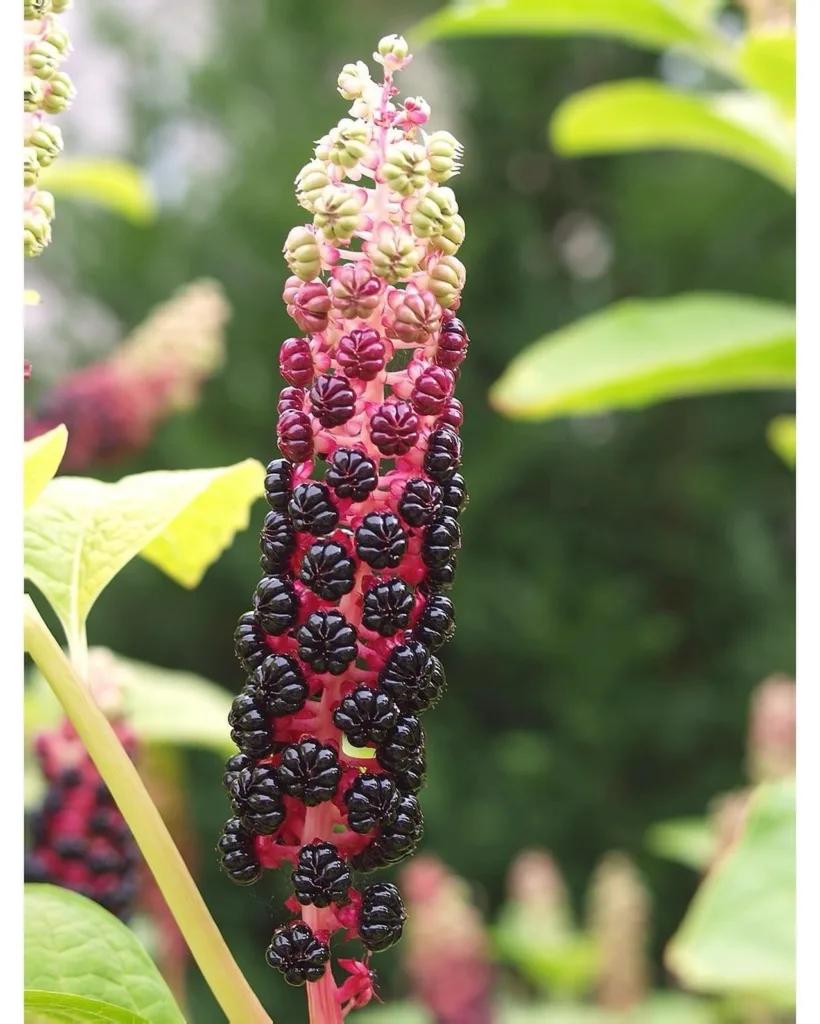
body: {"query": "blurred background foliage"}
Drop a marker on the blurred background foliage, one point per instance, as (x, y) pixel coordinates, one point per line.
(627, 579)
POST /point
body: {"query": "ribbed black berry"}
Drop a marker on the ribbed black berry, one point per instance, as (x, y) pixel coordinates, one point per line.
(381, 917)
(413, 776)
(436, 623)
(454, 496)
(403, 744)
(277, 483)
(436, 580)
(396, 840)
(381, 541)
(351, 474)
(321, 877)
(237, 854)
(310, 771)
(442, 539)
(233, 766)
(277, 542)
(256, 799)
(332, 399)
(278, 686)
(328, 570)
(249, 642)
(327, 642)
(413, 677)
(420, 502)
(443, 456)
(275, 604)
(297, 953)
(250, 728)
(366, 716)
(387, 606)
(312, 509)
(372, 800)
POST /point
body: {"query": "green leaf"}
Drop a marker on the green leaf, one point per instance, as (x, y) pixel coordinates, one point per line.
(113, 184)
(655, 24)
(74, 946)
(641, 351)
(61, 1008)
(782, 437)
(767, 61)
(633, 115)
(81, 532)
(688, 841)
(41, 460)
(738, 936)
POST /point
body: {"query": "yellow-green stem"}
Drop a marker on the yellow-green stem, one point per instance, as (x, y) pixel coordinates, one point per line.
(207, 946)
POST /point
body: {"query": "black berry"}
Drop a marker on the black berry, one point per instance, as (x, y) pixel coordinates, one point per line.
(310, 771)
(256, 799)
(387, 606)
(441, 578)
(412, 677)
(249, 642)
(443, 456)
(381, 917)
(454, 496)
(420, 502)
(250, 728)
(279, 686)
(327, 642)
(403, 744)
(233, 766)
(372, 800)
(277, 542)
(366, 716)
(351, 474)
(275, 604)
(277, 483)
(442, 539)
(396, 840)
(413, 776)
(328, 570)
(332, 399)
(297, 953)
(380, 540)
(312, 510)
(237, 854)
(436, 624)
(321, 877)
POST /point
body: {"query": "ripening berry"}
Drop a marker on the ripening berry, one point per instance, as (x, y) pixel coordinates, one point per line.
(328, 570)
(432, 389)
(442, 539)
(404, 742)
(412, 677)
(256, 799)
(237, 854)
(296, 362)
(381, 541)
(372, 800)
(452, 415)
(351, 474)
(381, 917)
(278, 686)
(355, 290)
(332, 399)
(362, 354)
(250, 729)
(249, 642)
(321, 877)
(291, 398)
(275, 604)
(452, 344)
(279, 475)
(297, 953)
(365, 716)
(387, 606)
(443, 456)
(327, 642)
(436, 623)
(394, 428)
(420, 502)
(295, 435)
(454, 496)
(277, 542)
(312, 509)
(310, 771)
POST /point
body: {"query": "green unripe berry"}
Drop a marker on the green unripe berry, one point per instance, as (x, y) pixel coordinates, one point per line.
(43, 59)
(31, 166)
(302, 253)
(393, 254)
(443, 151)
(433, 212)
(450, 240)
(33, 93)
(405, 168)
(59, 93)
(47, 141)
(446, 280)
(339, 212)
(34, 9)
(349, 141)
(36, 232)
(310, 183)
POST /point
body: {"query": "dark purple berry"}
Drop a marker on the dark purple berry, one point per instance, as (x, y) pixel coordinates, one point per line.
(413, 776)
(277, 542)
(443, 456)
(332, 399)
(296, 362)
(362, 353)
(295, 435)
(365, 716)
(442, 539)
(291, 398)
(372, 800)
(351, 474)
(297, 953)
(452, 415)
(250, 728)
(327, 642)
(278, 686)
(432, 389)
(412, 677)
(256, 799)
(321, 877)
(328, 570)
(387, 606)
(237, 853)
(275, 604)
(312, 510)
(310, 771)
(380, 540)
(441, 578)
(403, 744)
(454, 496)
(381, 917)
(279, 475)
(420, 502)
(249, 642)
(233, 766)
(452, 344)
(436, 623)
(394, 428)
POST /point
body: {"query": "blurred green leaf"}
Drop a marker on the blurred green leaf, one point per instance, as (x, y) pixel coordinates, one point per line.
(396, 1013)
(652, 23)
(114, 184)
(81, 532)
(622, 116)
(74, 946)
(638, 352)
(767, 61)
(61, 1008)
(41, 460)
(688, 841)
(782, 437)
(738, 936)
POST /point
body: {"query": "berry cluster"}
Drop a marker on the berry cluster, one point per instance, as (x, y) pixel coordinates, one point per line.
(361, 540)
(78, 837)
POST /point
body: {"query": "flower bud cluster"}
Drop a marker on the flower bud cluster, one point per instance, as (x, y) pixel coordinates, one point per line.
(362, 537)
(46, 91)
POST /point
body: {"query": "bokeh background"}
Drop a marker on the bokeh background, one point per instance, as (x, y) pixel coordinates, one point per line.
(626, 580)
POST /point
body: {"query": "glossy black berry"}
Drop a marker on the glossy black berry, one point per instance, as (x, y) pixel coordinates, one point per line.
(327, 642)
(436, 623)
(351, 474)
(381, 917)
(441, 578)
(310, 771)
(256, 799)
(420, 502)
(233, 766)
(387, 606)
(249, 642)
(381, 541)
(277, 542)
(413, 677)
(395, 841)
(275, 604)
(277, 483)
(454, 496)
(279, 686)
(443, 456)
(321, 877)
(237, 854)
(403, 744)
(413, 776)
(250, 728)
(372, 800)
(328, 570)
(366, 716)
(442, 539)
(312, 510)
(297, 953)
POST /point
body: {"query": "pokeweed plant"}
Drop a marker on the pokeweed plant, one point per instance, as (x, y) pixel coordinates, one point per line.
(361, 541)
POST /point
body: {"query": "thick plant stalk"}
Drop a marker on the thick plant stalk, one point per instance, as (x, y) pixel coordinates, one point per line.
(207, 946)
(340, 647)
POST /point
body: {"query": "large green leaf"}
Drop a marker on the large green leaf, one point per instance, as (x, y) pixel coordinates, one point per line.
(114, 184)
(738, 936)
(641, 351)
(62, 1008)
(688, 841)
(74, 946)
(41, 460)
(622, 116)
(656, 24)
(81, 532)
(782, 437)
(767, 61)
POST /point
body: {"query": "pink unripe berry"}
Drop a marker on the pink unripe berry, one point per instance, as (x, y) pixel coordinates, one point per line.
(452, 414)
(416, 315)
(332, 399)
(296, 362)
(452, 344)
(355, 290)
(291, 398)
(394, 428)
(309, 306)
(431, 391)
(295, 435)
(362, 354)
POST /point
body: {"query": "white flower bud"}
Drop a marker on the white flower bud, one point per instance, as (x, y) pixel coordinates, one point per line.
(352, 80)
